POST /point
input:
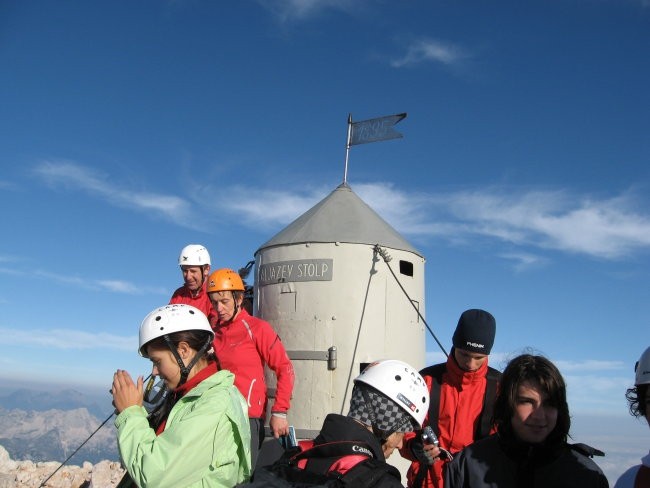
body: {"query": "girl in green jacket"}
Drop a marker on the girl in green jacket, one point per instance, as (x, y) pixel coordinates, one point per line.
(200, 435)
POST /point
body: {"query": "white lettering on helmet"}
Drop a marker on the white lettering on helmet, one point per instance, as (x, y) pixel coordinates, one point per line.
(363, 450)
(409, 404)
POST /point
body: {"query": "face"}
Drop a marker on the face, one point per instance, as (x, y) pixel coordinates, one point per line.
(165, 366)
(393, 442)
(225, 305)
(468, 360)
(533, 418)
(193, 276)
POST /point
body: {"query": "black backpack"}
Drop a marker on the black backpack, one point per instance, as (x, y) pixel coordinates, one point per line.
(285, 472)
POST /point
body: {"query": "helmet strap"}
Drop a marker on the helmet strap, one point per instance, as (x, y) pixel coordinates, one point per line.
(204, 276)
(236, 310)
(185, 370)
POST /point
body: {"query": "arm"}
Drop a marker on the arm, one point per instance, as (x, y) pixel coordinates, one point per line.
(275, 356)
(273, 353)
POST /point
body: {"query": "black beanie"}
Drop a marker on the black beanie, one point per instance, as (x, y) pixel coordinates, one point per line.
(475, 331)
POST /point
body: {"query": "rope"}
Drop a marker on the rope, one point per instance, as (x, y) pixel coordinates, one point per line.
(386, 257)
(76, 450)
(84, 443)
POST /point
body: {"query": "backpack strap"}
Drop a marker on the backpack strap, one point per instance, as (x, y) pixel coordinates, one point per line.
(484, 424)
(642, 479)
(435, 372)
(586, 450)
(368, 473)
(319, 459)
(335, 449)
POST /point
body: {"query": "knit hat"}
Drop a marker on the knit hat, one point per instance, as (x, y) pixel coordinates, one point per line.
(368, 405)
(475, 331)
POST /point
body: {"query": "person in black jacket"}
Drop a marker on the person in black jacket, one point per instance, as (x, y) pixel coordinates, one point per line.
(530, 448)
(389, 398)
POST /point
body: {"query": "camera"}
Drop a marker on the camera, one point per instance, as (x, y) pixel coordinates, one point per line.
(429, 436)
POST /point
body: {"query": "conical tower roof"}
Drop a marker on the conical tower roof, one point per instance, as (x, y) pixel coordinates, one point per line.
(341, 217)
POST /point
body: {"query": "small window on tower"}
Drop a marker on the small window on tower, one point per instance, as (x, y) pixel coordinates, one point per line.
(406, 268)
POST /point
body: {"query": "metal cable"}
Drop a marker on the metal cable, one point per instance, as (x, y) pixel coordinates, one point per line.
(386, 257)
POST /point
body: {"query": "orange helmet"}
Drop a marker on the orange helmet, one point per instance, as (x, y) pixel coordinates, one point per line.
(225, 279)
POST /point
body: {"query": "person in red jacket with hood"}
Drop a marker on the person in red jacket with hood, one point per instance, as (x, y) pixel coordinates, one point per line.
(459, 387)
(194, 262)
(244, 344)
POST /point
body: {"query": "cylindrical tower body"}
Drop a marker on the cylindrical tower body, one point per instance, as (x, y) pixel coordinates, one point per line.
(335, 303)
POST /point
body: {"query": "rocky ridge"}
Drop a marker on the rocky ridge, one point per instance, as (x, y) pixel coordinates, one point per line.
(30, 474)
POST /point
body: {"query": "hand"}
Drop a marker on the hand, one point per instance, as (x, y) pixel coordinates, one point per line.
(432, 452)
(279, 426)
(424, 453)
(125, 392)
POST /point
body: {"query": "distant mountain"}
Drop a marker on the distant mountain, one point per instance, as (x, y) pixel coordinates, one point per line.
(68, 399)
(54, 434)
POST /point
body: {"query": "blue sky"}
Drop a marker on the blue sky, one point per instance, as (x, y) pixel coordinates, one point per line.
(131, 129)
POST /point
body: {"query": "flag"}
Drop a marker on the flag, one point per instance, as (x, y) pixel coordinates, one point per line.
(373, 130)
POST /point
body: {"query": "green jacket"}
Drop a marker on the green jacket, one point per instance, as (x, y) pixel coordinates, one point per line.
(206, 441)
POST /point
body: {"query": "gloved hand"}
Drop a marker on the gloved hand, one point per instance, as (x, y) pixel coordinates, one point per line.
(423, 456)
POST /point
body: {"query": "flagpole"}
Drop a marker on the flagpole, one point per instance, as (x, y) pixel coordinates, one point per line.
(347, 150)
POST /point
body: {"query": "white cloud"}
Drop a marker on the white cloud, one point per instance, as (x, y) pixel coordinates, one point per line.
(119, 286)
(590, 365)
(609, 228)
(7, 185)
(116, 286)
(258, 207)
(68, 174)
(9, 258)
(66, 339)
(286, 10)
(524, 261)
(430, 50)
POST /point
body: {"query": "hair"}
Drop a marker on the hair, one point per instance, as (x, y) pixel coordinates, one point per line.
(196, 339)
(636, 399)
(540, 371)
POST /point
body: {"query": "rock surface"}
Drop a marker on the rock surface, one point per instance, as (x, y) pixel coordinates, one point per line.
(28, 474)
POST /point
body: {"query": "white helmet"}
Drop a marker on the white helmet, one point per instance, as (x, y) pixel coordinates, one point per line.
(642, 369)
(169, 319)
(194, 255)
(401, 383)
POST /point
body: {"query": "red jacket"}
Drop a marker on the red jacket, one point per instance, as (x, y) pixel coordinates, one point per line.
(244, 346)
(200, 301)
(461, 401)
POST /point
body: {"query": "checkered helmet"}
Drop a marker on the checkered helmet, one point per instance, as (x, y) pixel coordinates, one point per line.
(401, 383)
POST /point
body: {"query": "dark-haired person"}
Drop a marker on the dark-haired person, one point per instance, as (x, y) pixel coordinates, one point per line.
(245, 345)
(462, 393)
(639, 402)
(530, 447)
(200, 437)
